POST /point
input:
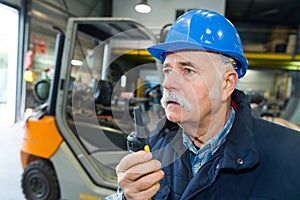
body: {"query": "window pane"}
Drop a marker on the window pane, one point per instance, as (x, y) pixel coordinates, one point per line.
(8, 61)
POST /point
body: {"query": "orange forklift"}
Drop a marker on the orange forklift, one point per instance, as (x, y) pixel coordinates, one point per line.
(75, 138)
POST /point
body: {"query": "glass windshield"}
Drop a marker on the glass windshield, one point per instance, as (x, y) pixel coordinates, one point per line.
(111, 74)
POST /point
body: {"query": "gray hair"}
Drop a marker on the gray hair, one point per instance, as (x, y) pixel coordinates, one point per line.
(229, 60)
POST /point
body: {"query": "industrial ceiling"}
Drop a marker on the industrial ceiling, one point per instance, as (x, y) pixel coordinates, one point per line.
(268, 12)
(256, 20)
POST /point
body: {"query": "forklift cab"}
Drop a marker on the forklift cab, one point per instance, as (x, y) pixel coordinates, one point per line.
(73, 143)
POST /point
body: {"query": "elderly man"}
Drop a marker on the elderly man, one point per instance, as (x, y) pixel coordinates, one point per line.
(209, 146)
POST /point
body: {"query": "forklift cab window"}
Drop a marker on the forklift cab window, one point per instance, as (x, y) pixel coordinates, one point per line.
(115, 74)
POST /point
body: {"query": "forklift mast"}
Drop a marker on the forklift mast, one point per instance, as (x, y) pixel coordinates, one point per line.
(60, 39)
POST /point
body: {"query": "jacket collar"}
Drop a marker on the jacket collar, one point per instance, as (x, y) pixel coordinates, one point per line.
(240, 150)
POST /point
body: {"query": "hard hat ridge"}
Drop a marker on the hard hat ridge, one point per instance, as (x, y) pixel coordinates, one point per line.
(203, 30)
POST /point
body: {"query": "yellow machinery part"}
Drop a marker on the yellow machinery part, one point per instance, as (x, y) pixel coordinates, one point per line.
(41, 139)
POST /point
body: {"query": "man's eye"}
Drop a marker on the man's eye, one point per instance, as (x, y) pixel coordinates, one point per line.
(188, 70)
(166, 71)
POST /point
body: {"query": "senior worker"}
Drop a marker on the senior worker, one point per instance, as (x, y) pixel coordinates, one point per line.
(209, 146)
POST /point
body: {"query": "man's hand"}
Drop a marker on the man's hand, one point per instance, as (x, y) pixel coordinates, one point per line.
(138, 175)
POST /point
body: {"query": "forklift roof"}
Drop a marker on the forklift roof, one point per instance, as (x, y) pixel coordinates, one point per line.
(108, 27)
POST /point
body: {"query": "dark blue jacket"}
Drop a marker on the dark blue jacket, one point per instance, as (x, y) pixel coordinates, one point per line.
(259, 160)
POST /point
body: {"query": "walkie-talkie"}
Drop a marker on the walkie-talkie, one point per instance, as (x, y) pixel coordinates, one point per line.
(138, 140)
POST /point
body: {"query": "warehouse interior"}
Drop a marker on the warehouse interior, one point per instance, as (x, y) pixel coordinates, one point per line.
(269, 29)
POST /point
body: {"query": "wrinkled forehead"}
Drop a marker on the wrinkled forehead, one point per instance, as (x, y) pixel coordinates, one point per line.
(194, 56)
(202, 60)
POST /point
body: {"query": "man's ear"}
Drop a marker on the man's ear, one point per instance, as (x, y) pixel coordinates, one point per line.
(230, 79)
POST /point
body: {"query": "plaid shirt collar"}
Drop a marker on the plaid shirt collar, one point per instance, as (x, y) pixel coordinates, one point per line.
(199, 157)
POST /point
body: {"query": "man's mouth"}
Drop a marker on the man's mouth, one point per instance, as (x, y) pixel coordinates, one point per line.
(172, 102)
(174, 99)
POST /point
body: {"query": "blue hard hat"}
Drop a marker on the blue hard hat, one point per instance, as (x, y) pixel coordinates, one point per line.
(203, 30)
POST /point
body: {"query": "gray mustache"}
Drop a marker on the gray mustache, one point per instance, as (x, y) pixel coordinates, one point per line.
(175, 97)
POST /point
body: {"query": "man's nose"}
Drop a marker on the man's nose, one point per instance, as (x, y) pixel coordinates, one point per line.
(172, 80)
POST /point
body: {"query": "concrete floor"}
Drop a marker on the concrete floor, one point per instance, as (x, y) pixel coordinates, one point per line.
(10, 165)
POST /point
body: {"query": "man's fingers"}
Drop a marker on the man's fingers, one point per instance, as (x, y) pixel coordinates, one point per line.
(133, 159)
(144, 182)
(138, 175)
(139, 170)
(149, 180)
(142, 195)
(144, 168)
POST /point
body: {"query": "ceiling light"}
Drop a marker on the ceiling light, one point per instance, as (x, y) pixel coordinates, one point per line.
(143, 7)
(76, 62)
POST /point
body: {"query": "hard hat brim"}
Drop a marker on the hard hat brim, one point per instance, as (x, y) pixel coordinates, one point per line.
(159, 51)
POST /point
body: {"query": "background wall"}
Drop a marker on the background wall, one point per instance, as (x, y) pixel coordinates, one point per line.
(163, 11)
(259, 80)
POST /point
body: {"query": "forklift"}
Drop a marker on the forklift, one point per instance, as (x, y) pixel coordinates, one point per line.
(75, 138)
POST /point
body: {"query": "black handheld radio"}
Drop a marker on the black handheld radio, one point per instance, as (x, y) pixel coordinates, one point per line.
(138, 140)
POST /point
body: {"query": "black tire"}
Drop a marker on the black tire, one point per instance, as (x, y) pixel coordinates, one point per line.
(39, 181)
